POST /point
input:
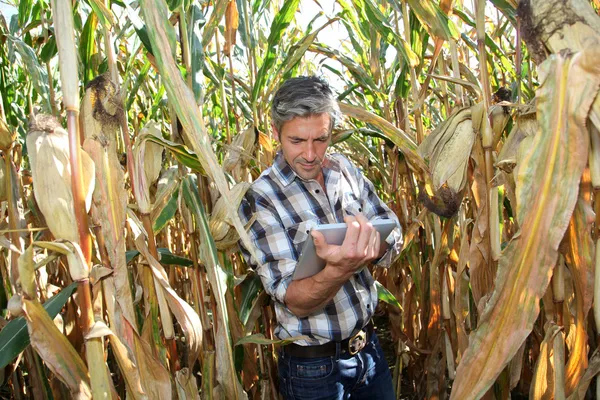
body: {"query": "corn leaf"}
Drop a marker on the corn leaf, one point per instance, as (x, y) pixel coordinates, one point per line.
(580, 261)
(87, 47)
(37, 74)
(557, 157)
(385, 295)
(196, 54)
(14, 337)
(260, 338)
(405, 143)
(180, 152)
(56, 351)
(215, 18)
(278, 26)
(432, 17)
(218, 279)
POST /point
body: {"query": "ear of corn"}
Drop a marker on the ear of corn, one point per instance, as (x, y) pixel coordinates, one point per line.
(48, 145)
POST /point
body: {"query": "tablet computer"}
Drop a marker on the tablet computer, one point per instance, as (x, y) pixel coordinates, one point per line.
(310, 263)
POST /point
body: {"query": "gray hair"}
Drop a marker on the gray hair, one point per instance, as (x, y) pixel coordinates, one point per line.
(302, 97)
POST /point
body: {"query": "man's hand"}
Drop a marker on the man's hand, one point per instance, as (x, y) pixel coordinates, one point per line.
(360, 246)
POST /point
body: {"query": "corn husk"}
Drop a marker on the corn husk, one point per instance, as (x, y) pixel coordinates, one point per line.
(148, 161)
(525, 127)
(15, 305)
(219, 220)
(99, 111)
(241, 149)
(48, 145)
(448, 149)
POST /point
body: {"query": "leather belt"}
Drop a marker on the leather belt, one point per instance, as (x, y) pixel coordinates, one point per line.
(351, 346)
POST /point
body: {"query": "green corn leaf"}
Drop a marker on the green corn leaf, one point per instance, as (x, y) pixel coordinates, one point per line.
(379, 22)
(280, 23)
(166, 257)
(181, 153)
(139, 27)
(38, 75)
(250, 289)
(431, 16)
(386, 296)
(14, 337)
(87, 47)
(105, 16)
(166, 214)
(49, 50)
(142, 74)
(25, 7)
(196, 53)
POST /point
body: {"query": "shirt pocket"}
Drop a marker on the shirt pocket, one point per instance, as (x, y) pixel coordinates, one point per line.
(352, 205)
(298, 234)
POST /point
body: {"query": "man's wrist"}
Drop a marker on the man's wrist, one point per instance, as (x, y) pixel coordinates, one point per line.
(333, 273)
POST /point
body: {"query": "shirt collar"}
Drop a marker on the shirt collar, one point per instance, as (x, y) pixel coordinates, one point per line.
(286, 175)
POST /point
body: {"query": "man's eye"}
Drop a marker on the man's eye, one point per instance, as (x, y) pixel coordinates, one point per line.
(295, 141)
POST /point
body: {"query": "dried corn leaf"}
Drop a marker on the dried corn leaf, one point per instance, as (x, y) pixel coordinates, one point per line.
(180, 96)
(232, 21)
(48, 146)
(404, 142)
(557, 157)
(185, 314)
(592, 370)
(542, 384)
(525, 126)
(108, 211)
(129, 370)
(155, 378)
(56, 351)
(580, 261)
(186, 385)
(226, 374)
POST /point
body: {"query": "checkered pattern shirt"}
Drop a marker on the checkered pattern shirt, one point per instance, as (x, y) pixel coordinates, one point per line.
(286, 207)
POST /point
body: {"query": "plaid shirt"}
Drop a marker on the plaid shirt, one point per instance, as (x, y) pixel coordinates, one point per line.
(286, 207)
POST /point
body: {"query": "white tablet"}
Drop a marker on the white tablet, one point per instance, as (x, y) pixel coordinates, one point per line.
(310, 263)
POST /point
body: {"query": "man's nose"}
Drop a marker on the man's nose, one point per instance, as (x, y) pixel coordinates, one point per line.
(309, 153)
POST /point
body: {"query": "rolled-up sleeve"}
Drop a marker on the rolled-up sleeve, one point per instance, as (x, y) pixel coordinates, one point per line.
(275, 264)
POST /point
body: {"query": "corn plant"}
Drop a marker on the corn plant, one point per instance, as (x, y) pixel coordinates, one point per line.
(130, 131)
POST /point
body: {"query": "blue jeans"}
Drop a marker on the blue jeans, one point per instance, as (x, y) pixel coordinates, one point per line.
(363, 376)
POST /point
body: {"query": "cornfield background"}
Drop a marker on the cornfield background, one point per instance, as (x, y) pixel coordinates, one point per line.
(478, 122)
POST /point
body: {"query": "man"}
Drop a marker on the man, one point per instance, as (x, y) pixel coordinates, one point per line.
(340, 356)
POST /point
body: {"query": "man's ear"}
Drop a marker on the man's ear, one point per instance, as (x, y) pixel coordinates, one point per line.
(275, 132)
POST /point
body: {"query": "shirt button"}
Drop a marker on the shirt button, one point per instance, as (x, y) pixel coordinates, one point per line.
(368, 306)
(317, 191)
(360, 209)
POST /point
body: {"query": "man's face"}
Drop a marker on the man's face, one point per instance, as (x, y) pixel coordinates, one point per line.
(304, 141)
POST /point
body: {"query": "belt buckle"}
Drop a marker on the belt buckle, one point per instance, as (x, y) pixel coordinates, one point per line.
(357, 342)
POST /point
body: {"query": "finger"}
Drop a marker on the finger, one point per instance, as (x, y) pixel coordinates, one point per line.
(376, 244)
(319, 241)
(352, 233)
(372, 243)
(366, 229)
